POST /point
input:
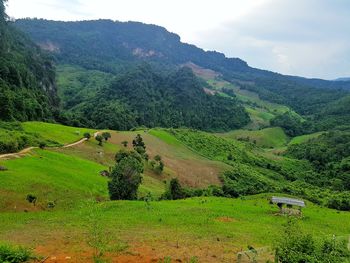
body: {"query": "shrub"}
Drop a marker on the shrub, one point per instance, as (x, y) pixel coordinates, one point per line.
(126, 178)
(106, 135)
(11, 254)
(99, 138)
(42, 145)
(295, 246)
(87, 135)
(174, 191)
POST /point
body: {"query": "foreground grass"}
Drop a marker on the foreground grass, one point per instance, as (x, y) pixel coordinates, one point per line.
(223, 226)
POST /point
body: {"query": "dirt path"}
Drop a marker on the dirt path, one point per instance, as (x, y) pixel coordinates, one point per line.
(27, 150)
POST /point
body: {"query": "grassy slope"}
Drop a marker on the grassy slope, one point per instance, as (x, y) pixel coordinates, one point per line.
(213, 229)
(266, 138)
(56, 132)
(190, 167)
(260, 111)
(304, 138)
(49, 176)
(220, 226)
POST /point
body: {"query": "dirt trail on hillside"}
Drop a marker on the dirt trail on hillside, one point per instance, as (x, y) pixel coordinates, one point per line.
(27, 150)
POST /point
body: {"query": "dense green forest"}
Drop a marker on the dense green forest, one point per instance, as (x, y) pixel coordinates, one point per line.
(330, 156)
(27, 76)
(142, 96)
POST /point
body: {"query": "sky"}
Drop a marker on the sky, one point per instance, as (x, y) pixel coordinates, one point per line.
(309, 38)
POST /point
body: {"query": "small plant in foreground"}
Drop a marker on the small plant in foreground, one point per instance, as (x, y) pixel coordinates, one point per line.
(11, 254)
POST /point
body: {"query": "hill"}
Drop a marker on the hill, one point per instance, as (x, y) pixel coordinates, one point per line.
(265, 138)
(111, 47)
(27, 77)
(142, 96)
(65, 179)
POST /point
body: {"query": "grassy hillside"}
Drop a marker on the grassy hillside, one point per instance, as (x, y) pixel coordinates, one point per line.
(56, 132)
(211, 229)
(260, 111)
(266, 138)
(50, 177)
(304, 138)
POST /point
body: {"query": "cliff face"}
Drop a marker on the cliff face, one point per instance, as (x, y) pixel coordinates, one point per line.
(27, 76)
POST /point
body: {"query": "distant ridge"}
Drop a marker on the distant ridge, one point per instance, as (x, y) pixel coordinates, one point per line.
(342, 79)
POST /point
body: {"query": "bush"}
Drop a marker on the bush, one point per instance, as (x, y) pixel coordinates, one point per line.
(11, 254)
(174, 191)
(87, 135)
(126, 178)
(99, 138)
(106, 135)
(296, 246)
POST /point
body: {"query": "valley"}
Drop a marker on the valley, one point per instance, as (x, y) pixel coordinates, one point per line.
(121, 143)
(208, 229)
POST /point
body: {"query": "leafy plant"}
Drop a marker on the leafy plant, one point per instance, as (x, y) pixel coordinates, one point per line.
(14, 254)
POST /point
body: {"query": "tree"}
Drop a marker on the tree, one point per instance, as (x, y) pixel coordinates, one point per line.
(138, 142)
(87, 135)
(126, 178)
(125, 143)
(157, 158)
(153, 163)
(175, 190)
(106, 135)
(161, 166)
(124, 153)
(99, 138)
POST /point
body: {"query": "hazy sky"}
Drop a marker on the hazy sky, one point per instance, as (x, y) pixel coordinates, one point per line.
(299, 37)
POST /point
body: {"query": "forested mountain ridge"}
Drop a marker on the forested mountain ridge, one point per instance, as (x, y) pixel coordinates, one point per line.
(143, 96)
(111, 47)
(27, 76)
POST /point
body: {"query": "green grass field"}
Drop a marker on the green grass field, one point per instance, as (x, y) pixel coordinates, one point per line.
(56, 132)
(212, 229)
(304, 138)
(209, 228)
(266, 138)
(49, 176)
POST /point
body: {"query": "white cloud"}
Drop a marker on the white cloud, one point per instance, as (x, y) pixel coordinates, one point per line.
(300, 37)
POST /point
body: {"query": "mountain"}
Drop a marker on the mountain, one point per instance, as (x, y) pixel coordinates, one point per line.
(27, 76)
(143, 96)
(112, 47)
(342, 79)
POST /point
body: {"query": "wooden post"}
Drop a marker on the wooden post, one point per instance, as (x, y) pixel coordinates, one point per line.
(239, 257)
